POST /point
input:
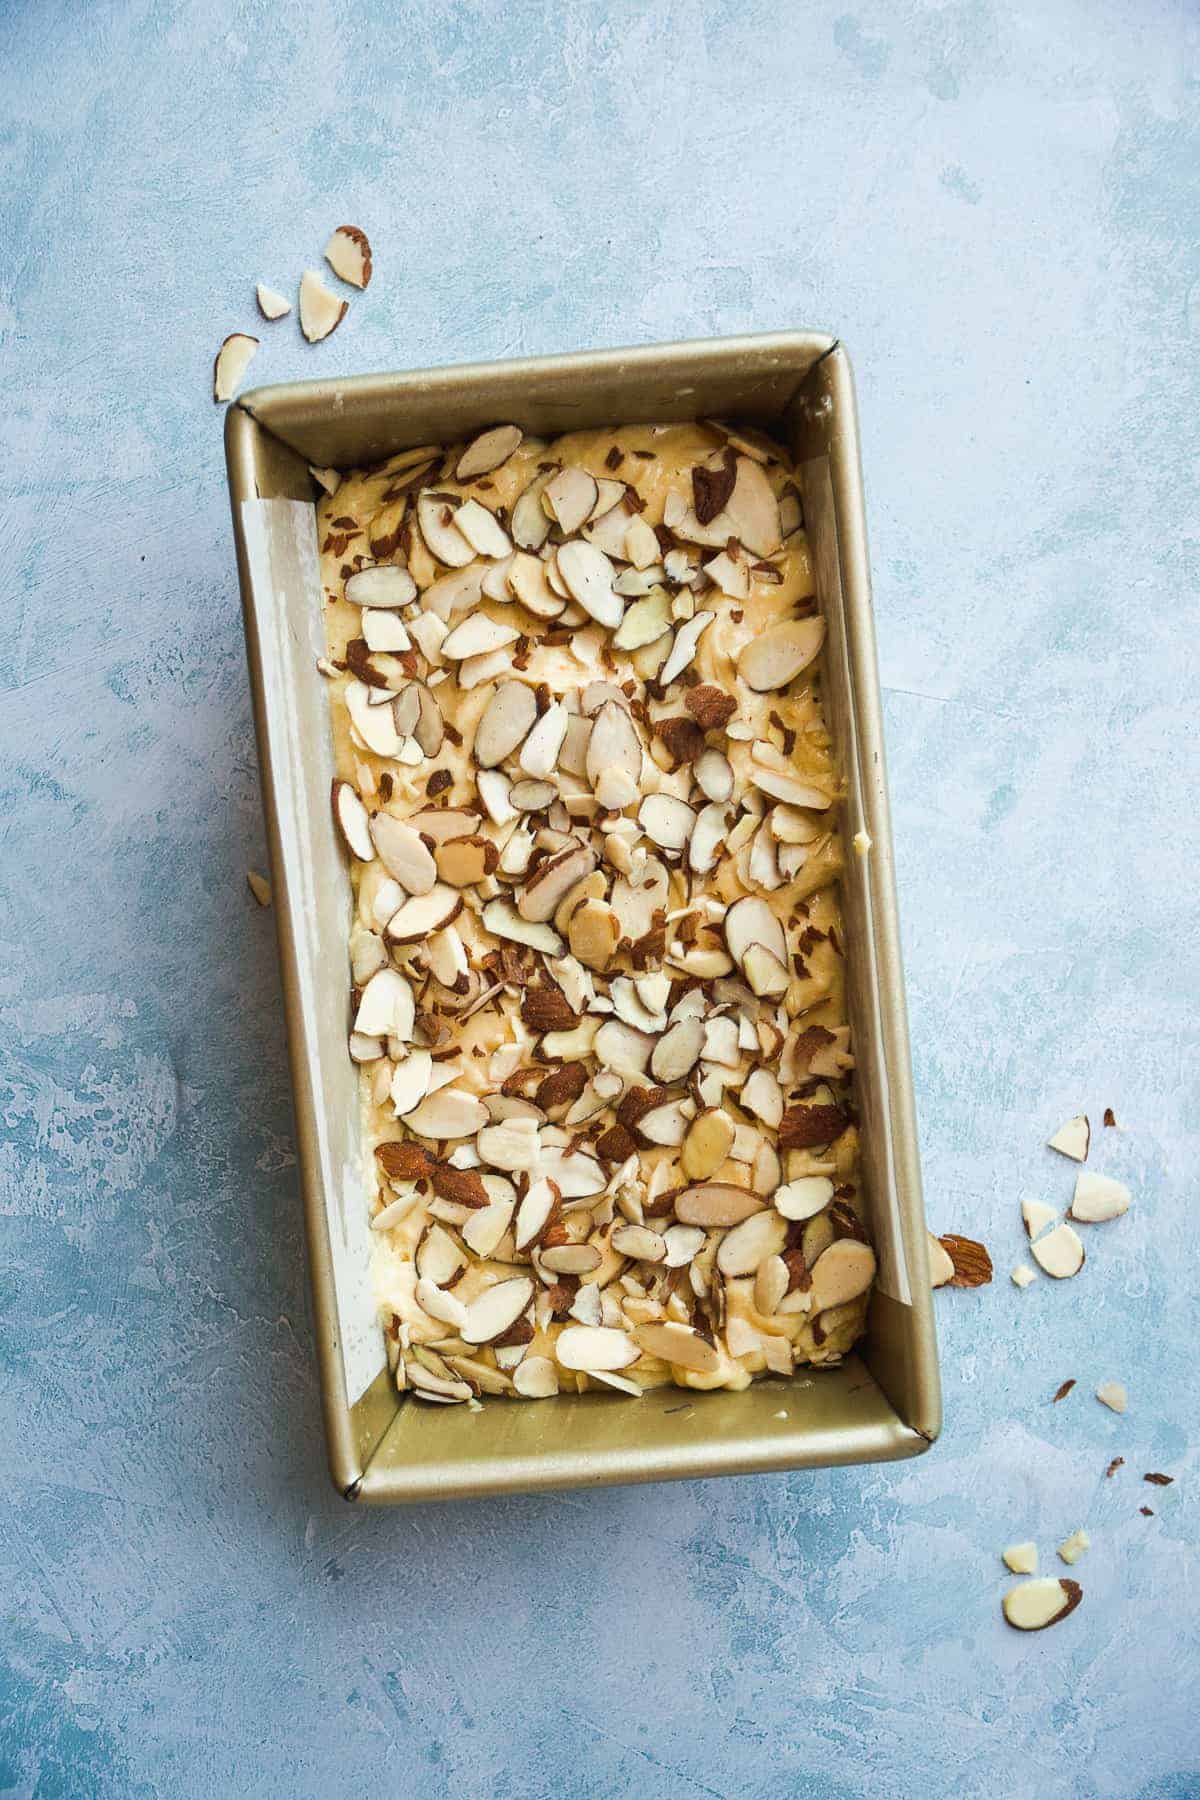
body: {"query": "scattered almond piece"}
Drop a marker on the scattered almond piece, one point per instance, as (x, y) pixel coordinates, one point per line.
(1073, 1547)
(1060, 1253)
(348, 254)
(1113, 1395)
(1022, 1559)
(941, 1263)
(1159, 1480)
(230, 365)
(1022, 1275)
(972, 1264)
(1065, 1389)
(1033, 1605)
(259, 886)
(1073, 1138)
(271, 303)
(1110, 1117)
(320, 311)
(1038, 1217)
(1098, 1198)
(862, 843)
(1118, 1462)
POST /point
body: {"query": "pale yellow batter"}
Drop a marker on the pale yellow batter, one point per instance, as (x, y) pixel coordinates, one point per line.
(681, 1201)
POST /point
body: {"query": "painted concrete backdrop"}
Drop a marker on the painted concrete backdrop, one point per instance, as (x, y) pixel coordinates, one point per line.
(997, 207)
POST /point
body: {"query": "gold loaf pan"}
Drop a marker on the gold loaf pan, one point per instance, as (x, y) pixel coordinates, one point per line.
(884, 1401)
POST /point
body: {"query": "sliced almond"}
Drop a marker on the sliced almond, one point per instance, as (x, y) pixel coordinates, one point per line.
(329, 479)
(534, 1378)
(530, 521)
(443, 823)
(803, 1198)
(353, 821)
(438, 1258)
(665, 1125)
(528, 584)
(488, 451)
(320, 311)
(424, 914)
(708, 1143)
(679, 1345)
(440, 1305)
(450, 1113)
(386, 1007)
(506, 720)
(403, 854)
(539, 752)
(751, 921)
(1098, 1198)
(1113, 1395)
(553, 881)
(842, 1273)
(768, 977)
(713, 776)
(502, 918)
(571, 1259)
(271, 303)
(1075, 1546)
(511, 1145)
(230, 365)
(569, 497)
(463, 862)
(494, 790)
(941, 1263)
(683, 1243)
(762, 1095)
(383, 631)
(763, 1234)
(716, 1203)
(641, 544)
(532, 796)
(478, 635)
(613, 745)
(775, 658)
(587, 1347)
(482, 530)
(593, 934)
(496, 1310)
(771, 1281)
(1073, 1138)
(677, 1052)
(458, 591)
(645, 622)
(365, 1049)
(1032, 1605)
(731, 574)
(348, 254)
(666, 821)
(639, 1243)
(533, 1214)
(589, 576)
(574, 1173)
(687, 640)
(1060, 1253)
(1022, 1559)
(1022, 1275)
(1038, 1217)
(486, 1227)
(443, 539)
(410, 1082)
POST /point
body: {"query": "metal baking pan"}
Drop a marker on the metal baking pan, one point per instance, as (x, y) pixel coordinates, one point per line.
(884, 1401)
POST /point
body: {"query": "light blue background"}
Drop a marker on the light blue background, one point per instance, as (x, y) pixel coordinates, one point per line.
(996, 206)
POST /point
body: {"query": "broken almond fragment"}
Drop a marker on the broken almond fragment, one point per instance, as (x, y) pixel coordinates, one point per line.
(496, 1310)
(1098, 1198)
(1022, 1275)
(673, 1342)
(424, 914)
(534, 1377)
(1038, 1217)
(1074, 1547)
(1073, 1138)
(1022, 1559)
(232, 361)
(259, 886)
(1113, 1395)
(716, 1204)
(382, 586)
(1033, 1605)
(404, 855)
(353, 821)
(589, 576)
(569, 496)
(320, 311)
(507, 719)
(1060, 1253)
(488, 451)
(271, 303)
(586, 1347)
(348, 254)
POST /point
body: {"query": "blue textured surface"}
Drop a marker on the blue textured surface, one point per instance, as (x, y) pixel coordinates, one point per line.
(997, 207)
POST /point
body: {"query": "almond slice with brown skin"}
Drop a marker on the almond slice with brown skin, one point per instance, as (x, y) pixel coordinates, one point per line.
(348, 254)
(443, 823)
(485, 1228)
(450, 1113)
(601, 1347)
(775, 658)
(645, 622)
(1060, 1253)
(1032, 1605)
(571, 1259)
(462, 862)
(1072, 1139)
(410, 1083)
(320, 311)
(540, 751)
(530, 520)
(532, 796)
(476, 636)
(805, 1197)
(506, 721)
(750, 1243)
(683, 650)
(589, 576)
(496, 1310)
(714, 776)
(666, 821)
(534, 1378)
(707, 1144)
(716, 1203)
(677, 1051)
(230, 365)
(488, 451)
(554, 879)
(753, 510)
(533, 1214)
(503, 919)
(569, 497)
(482, 530)
(1037, 1217)
(424, 914)
(271, 303)
(353, 821)
(528, 584)
(842, 1273)
(673, 1342)
(1098, 1198)
(440, 1305)
(639, 1243)
(443, 539)
(403, 854)
(751, 921)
